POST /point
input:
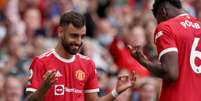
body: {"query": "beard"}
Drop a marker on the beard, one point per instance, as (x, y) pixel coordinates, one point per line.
(71, 48)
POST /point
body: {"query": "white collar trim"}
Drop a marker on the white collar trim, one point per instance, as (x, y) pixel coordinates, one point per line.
(63, 59)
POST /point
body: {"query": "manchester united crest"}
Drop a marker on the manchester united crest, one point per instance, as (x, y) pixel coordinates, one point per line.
(80, 75)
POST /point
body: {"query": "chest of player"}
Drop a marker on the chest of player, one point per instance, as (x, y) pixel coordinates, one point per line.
(71, 77)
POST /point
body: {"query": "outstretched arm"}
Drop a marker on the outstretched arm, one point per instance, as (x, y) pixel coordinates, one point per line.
(124, 82)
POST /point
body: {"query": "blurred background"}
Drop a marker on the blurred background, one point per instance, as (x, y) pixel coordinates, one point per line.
(29, 28)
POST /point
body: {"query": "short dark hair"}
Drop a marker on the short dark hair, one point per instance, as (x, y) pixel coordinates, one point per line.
(72, 17)
(159, 3)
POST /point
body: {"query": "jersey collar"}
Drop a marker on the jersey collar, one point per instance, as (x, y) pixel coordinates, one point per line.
(63, 59)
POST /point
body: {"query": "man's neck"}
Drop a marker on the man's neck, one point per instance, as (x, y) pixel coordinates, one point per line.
(60, 50)
(179, 12)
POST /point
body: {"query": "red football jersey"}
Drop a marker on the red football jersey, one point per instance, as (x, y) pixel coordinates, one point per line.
(181, 34)
(75, 76)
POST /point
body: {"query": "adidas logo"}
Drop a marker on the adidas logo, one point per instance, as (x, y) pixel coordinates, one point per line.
(58, 74)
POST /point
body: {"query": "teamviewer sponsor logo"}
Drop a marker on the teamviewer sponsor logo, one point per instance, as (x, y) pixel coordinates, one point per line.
(59, 90)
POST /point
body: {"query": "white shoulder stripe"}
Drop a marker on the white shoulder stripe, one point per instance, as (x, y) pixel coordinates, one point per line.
(91, 90)
(172, 49)
(83, 56)
(46, 54)
(31, 90)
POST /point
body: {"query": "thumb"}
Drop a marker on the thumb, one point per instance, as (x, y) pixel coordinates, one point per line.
(123, 88)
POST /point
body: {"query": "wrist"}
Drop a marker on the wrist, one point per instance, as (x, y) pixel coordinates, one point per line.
(114, 93)
(44, 87)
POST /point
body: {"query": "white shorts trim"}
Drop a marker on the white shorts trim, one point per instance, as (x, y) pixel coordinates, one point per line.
(167, 50)
(31, 90)
(91, 90)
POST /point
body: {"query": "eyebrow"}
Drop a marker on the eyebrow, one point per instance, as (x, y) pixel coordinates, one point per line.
(84, 34)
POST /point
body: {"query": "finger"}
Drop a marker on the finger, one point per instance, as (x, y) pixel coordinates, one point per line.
(52, 75)
(123, 77)
(124, 86)
(133, 76)
(50, 79)
(53, 80)
(49, 75)
(46, 74)
(130, 47)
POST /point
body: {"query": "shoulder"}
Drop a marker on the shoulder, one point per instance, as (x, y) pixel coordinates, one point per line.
(162, 28)
(46, 54)
(171, 23)
(44, 57)
(174, 23)
(85, 59)
(164, 25)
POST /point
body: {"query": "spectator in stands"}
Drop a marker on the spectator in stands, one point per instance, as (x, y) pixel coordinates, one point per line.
(13, 89)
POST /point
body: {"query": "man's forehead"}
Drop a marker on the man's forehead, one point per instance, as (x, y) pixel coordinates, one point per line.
(72, 29)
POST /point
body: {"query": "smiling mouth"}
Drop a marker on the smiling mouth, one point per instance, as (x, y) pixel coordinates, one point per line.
(75, 47)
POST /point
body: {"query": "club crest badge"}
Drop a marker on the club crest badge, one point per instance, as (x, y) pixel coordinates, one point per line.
(79, 74)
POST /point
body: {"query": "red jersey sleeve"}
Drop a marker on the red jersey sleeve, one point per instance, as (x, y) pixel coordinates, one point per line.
(92, 82)
(36, 72)
(164, 39)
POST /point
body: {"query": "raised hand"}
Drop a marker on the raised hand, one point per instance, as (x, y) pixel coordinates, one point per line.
(137, 53)
(49, 78)
(125, 81)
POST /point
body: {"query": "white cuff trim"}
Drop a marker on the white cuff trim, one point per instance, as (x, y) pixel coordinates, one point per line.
(91, 90)
(167, 50)
(31, 90)
(114, 93)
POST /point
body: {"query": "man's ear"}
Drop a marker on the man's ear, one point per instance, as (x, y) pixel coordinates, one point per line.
(60, 31)
(163, 13)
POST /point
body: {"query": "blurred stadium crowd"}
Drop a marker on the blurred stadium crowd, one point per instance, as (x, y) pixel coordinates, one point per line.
(29, 28)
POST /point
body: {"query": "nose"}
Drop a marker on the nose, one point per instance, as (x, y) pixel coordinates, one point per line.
(78, 41)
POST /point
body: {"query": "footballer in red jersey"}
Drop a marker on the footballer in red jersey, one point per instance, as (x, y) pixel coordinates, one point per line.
(62, 74)
(177, 39)
(76, 75)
